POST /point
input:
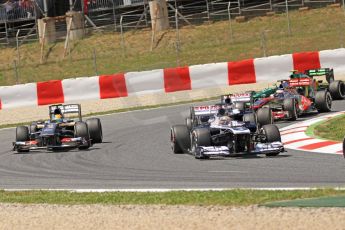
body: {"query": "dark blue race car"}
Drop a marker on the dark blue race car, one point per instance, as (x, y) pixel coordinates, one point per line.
(59, 132)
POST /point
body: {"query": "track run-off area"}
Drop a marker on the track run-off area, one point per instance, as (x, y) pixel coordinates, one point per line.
(136, 154)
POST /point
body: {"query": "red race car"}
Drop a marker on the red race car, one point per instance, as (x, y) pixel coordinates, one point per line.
(301, 96)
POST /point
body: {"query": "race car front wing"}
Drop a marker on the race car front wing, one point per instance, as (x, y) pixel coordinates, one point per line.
(260, 148)
(34, 145)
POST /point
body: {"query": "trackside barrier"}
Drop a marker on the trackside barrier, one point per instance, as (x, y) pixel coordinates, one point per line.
(269, 69)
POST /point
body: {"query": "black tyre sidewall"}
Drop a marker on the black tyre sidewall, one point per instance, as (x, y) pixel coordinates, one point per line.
(95, 130)
(22, 134)
(290, 107)
(81, 130)
(180, 138)
(264, 116)
(337, 90)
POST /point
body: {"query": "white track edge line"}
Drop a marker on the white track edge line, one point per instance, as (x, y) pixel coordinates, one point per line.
(173, 190)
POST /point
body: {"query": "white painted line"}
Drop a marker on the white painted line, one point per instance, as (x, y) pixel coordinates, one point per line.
(172, 190)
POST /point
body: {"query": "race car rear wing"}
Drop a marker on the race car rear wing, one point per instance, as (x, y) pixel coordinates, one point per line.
(237, 97)
(205, 110)
(66, 109)
(328, 72)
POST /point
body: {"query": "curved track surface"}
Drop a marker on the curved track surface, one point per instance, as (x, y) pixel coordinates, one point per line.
(137, 155)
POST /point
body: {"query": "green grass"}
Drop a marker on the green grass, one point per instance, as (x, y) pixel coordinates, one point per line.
(201, 44)
(333, 129)
(226, 198)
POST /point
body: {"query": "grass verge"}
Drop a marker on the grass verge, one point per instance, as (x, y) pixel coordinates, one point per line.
(200, 44)
(238, 197)
(333, 129)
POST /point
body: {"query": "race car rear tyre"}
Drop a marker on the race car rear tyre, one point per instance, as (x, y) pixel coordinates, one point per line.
(272, 135)
(95, 129)
(200, 137)
(22, 133)
(323, 101)
(337, 90)
(264, 116)
(179, 139)
(81, 130)
(189, 123)
(289, 105)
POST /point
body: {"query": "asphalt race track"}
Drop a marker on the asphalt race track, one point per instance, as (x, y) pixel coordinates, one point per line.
(137, 155)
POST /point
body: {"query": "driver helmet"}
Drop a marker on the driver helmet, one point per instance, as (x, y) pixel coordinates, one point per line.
(221, 112)
(224, 120)
(57, 115)
(300, 90)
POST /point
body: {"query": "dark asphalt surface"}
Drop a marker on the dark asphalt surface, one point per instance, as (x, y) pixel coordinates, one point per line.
(136, 154)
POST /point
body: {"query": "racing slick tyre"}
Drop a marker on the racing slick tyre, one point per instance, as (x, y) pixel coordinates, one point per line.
(81, 130)
(337, 90)
(189, 123)
(200, 137)
(22, 134)
(272, 135)
(323, 101)
(289, 105)
(264, 116)
(95, 129)
(179, 139)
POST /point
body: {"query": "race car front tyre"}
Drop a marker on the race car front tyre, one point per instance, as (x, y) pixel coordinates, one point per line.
(95, 129)
(264, 116)
(22, 133)
(81, 130)
(179, 139)
(323, 101)
(289, 105)
(200, 137)
(337, 90)
(272, 135)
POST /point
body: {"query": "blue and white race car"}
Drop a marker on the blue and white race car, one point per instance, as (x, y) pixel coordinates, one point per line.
(215, 131)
